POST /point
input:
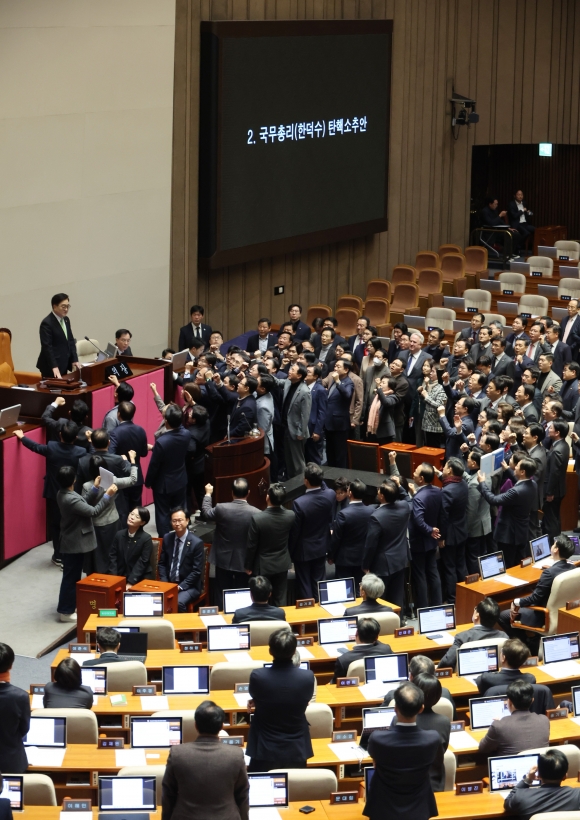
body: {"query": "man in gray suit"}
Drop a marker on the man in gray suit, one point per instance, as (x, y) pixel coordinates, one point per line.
(551, 770)
(77, 536)
(519, 731)
(296, 403)
(549, 382)
(230, 540)
(206, 779)
(267, 552)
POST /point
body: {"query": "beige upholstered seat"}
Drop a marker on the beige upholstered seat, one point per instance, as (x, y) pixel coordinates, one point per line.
(571, 751)
(87, 352)
(225, 675)
(356, 669)
(444, 707)
(320, 719)
(388, 621)
(188, 730)
(568, 247)
(565, 587)
(476, 298)
(569, 287)
(38, 790)
(123, 676)
(260, 631)
(541, 263)
(81, 724)
(149, 771)
(534, 304)
(310, 784)
(495, 317)
(440, 317)
(161, 633)
(512, 281)
(450, 764)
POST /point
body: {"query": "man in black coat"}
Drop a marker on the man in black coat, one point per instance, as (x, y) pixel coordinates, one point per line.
(245, 412)
(58, 351)
(513, 655)
(371, 588)
(403, 756)
(78, 413)
(300, 331)
(129, 436)
(453, 525)
(561, 352)
(424, 533)
(260, 609)
(490, 217)
(108, 643)
(551, 796)
(182, 559)
(14, 717)
(462, 426)
(195, 329)
(570, 327)
(263, 339)
(349, 534)
(279, 736)
(268, 535)
(116, 464)
(166, 474)
(484, 618)
(555, 478)
(367, 645)
(337, 420)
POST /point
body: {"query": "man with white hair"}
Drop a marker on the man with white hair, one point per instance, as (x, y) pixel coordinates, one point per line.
(371, 588)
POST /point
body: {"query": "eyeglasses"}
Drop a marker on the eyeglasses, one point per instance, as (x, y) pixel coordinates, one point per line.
(65, 307)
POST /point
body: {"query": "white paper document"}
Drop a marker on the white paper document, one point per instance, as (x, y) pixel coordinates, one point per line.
(510, 580)
(335, 610)
(95, 700)
(346, 751)
(130, 757)
(37, 702)
(462, 741)
(107, 478)
(81, 657)
(305, 653)
(213, 620)
(265, 813)
(242, 698)
(562, 669)
(154, 702)
(237, 657)
(333, 650)
(445, 639)
(49, 758)
(376, 691)
(575, 720)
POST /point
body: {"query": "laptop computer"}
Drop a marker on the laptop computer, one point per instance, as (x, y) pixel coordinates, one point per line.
(179, 360)
(185, 680)
(386, 669)
(436, 618)
(120, 797)
(112, 350)
(95, 677)
(507, 770)
(143, 604)
(228, 638)
(373, 719)
(576, 541)
(49, 732)
(492, 565)
(236, 599)
(155, 732)
(337, 630)
(547, 250)
(477, 660)
(133, 646)
(575, 701)
(332, 594)
(560, 647)
(483, 711)
(540, 549)
(13, 790)
(9, 416)
(520, 267)
(268, 790)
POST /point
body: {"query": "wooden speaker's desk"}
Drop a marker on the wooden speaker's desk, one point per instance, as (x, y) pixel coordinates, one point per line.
(291, 812)
(469, 595)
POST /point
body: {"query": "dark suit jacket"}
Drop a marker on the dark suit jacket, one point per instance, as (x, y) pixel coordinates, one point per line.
(476, 633)
(562, 355)
(453, 439)
(244, 414)
(230, 539)
(310, 534)
(131, 557)
(207, 780)
(573, 339)
(56, 697)
(502, 678)
(376, 649)
(556, 466)
(279, 729)
(186, 335)
(5, 809)
(301, 331)
(425, 512)
(454, 512)
(366, 608)
(104, 658)
(338, 405)
(57, 455)
(14, 725)
(386, 546)
(401, 391)
(505, 367)
(543, 698)
(259, 612)
(317, 409)
(430, 720)
(511, 526)
(569, 396)
(525, 802)
(268, 535)
(191, 565)
(253, 342)
(490, 218)
(403, 757)
(514, 213)
(516, 733)
(56, 349)
(349, 534)
(510, 339)
(114, 463)
(541, 593)
(130, 436)
(54, 426)
(166, 472)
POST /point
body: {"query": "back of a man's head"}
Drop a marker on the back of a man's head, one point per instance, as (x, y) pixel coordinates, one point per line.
(240, 488)
(515, 653)
(553, 765)
(108, 638)
(521, 694)
(6, 658)
(421, 665)
(368, 630)
(66, 476)
(431, 687)
(277, 494)
(173, 416)
(69, 432)
(209, 718)
(100, 439)
(373, 586)
(126, 410)
(125, 392)
(409, 700)
(282, 644)
(313, 474)
(260, 589)
(488, 610)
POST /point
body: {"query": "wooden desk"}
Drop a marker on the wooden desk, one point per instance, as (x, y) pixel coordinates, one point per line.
(569, 508)
(468, 595)
(569, 620)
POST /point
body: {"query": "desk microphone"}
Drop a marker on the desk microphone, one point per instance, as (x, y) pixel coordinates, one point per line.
(229, 439)
(246, 418)
(102, 352)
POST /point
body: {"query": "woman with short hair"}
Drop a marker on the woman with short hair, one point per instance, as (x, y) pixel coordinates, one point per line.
(67, 690)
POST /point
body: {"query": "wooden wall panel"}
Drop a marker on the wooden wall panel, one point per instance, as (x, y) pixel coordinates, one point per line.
(520, 61)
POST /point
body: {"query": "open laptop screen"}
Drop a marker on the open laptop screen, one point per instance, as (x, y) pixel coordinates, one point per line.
(337, 630)
(12, 790)
(268, 789)
(491, 565)
(387, 668)
(185, 680)
(483, 711)
(236, 599)
(477, 660)
(155, 732)
(576, 700)
(506, 771)
(378, 718)
(335, 592)
(436, 618)
(227, 638)
(143, 604)
(95, 677)
(540, 548)
(46, 731)
(127, 793)
(560, 647)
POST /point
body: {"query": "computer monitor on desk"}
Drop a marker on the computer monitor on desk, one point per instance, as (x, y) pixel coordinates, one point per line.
(477, 660)
(228, 638)
(540, 549)
(127, 793)
(12, 790)
(387, 668)
(560, 647)
(143, 604)
(95, 677)
(185, 680)
(236, 599)
(155, 732)
(9, 416)
(268, 790)
(483, 711)
(436, 618)
(337, 630)
(49, 732)
(491, 565)
(340, 590)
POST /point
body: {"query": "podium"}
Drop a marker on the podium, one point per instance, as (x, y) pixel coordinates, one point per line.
(169, 590)
(98, 591)
(432, 455)
(547, 235)
(239, 458)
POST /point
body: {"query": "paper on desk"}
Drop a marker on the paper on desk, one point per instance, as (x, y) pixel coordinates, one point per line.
(130, 757)
(37, 702)
(304, 653)
(265, 813)
(213, 620)
(510, 580)
(237, 657)
(346, 751)
(155, 702)
(575, 720)
(471, 678)
(51, 758)
(460, 741)
(107, 478)
(372, 691)
(242, 698)
(561, 669)
(333, 650)
(336, 610)
(445, 640)
(95, 700)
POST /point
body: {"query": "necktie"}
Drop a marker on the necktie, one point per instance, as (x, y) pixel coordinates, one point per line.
(530, 353)
(410, 364)
(197, 333)
(63, 325)
(174, 574)
(569, 324)
(493, 362)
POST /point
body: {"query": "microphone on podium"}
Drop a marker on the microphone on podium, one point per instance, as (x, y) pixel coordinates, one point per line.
(229, 438)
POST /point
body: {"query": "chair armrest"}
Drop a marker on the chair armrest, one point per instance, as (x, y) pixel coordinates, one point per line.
(540, 629)
(24, 377)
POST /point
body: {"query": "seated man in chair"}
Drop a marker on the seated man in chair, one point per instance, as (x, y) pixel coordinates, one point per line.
(182, 559)
(260, 609)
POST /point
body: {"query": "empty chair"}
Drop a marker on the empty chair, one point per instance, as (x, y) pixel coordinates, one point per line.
(150, 771)
(161, 633)
(38, 790)
(346, 321)
(123, 676)
(378, 310)
(429, 281)
(534, 304)
(453, 266)
(449, 248)
(260, 631)
(317, 310)
(476, 298)
(350, 300)
(86, 351)
(320, 719)
(494, 317)
(405, 297)
(310, 784)
(512, 281)
(543, 264)
(380, 288)
(189, 732)
(426, 259)
(440, 317)
(403, 273)
(569, 287)
(569, 248)
(450, 764)
(81, 724)
(475, 259)
(225, 675)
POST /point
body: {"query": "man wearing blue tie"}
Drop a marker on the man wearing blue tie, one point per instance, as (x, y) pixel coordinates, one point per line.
(182, 559)
(337, 419)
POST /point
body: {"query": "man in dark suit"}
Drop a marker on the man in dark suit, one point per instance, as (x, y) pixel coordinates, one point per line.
(337, 420)
(123, 341)
(279, 737)
(521, 363)
(263, 339)
(551, 770)
(513, 655)
(386, 546)
(571, 328)
(268, 536)
(462, 426)
(472, 333)
(401, 392)
(78, 414)
(314, 444)
(403, 756)
(518, 332)
(362, 323)
(349, 534)
(14, 717)
(367, 645)
(501, 364)
(195, 329)
(424, 533)
(100, 443)
(394, 349)
(555, 478)
(245, 412)
(182, 559)
(129, 436)
(371, 588)
(517, 504)
(520, 730)
(166, 474)
(561, 351)
(484, 618)
(569, 390)
(58, 351)
(310, 534)
(206, 779)
(57, 454)
(300, 331)
(453, 525)
(483, 345)
(519, 215)
(260, 608)
(490, 217)
(108, 643)
(230, 540)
